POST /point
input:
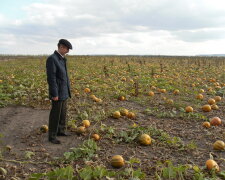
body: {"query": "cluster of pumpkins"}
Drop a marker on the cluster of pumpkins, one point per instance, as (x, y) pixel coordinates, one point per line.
(79, 130)
(123, 112)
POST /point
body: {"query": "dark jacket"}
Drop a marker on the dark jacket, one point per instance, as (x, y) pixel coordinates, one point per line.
(57, 77)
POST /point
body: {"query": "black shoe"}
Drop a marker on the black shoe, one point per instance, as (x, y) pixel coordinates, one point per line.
(63, 134)
(55, 141)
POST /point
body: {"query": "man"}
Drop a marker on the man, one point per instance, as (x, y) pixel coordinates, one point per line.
(59, 90)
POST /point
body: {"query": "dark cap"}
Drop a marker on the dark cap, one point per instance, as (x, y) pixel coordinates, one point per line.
(65, 43)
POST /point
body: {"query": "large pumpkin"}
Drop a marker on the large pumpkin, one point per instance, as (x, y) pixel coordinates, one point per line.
(219, 145)
(145, 139)
(215, 121)
(117, 161)
(211, 164)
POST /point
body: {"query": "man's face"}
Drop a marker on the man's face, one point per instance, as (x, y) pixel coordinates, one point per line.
(63, 49)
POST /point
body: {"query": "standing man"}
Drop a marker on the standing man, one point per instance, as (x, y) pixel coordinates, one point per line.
(59, 90)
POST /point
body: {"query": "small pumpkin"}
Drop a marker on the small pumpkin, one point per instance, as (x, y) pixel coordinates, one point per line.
(206, 124)
(151, 93)
(206, 108)
(86, 123)
(117, 161)
(121, 98)
(211, 164)
(219, 145)
(176, 91)
(217, 98)
(96, 137)
(211, 101)
(80, 130)
(131, 115)
(124, 112)
(199, 96)
(116, 115)
(215, 121)
(44, 128)
(214, 107)
(145, 139)
(87, 90)
(189, 109)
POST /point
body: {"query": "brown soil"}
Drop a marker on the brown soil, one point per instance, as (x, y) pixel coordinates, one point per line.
(20, 129)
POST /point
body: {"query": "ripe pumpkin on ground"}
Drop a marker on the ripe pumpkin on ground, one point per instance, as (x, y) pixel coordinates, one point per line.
(211, 101)
(80, 130)
(124, 112)
(151, 93)
(86, 123)
(206, 108)
(96, 137)
(44, 128)
(217, 98)
(87, 90)
(189, 109)
(117, 161)
(214, 107)
(211, 164)
(215, 121)
(199, 96)
(145, 139)
(131, 115)
(219, 145)
(116, 114)
(206, 124)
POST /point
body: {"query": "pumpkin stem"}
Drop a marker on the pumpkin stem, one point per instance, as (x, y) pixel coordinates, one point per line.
(211, 156)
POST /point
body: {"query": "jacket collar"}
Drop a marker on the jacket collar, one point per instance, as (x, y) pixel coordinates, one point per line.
(59, 55)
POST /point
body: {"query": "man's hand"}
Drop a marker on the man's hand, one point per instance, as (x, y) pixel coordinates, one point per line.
(55, 98)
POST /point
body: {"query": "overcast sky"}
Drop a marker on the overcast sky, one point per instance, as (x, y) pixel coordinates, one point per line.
(143, 27)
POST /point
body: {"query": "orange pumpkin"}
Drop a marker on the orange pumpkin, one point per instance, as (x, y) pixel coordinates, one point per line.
(145, 139)
(206, 124)
(117, 161)
(151, 93)
(199, 96)
(116, 114)
(211, 164)
(44, 128)
(211, 101)
(217, 98)
(215, 121)
(131, 115)
(86, 123)
(176, 91)
(214, 107)
(189, 109)
(206, 108)
(87, 90)
(80, 130)
(124, 112)
(96, 137)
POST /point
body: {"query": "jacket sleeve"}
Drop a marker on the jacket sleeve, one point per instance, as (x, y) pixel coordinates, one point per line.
(51, 77)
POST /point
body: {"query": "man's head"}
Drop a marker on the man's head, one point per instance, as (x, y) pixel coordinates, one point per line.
(64, 46)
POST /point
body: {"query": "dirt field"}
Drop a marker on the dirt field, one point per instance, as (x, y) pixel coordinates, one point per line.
(20, 130)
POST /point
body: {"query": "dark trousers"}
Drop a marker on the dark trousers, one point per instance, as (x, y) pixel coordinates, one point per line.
(57, 118)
